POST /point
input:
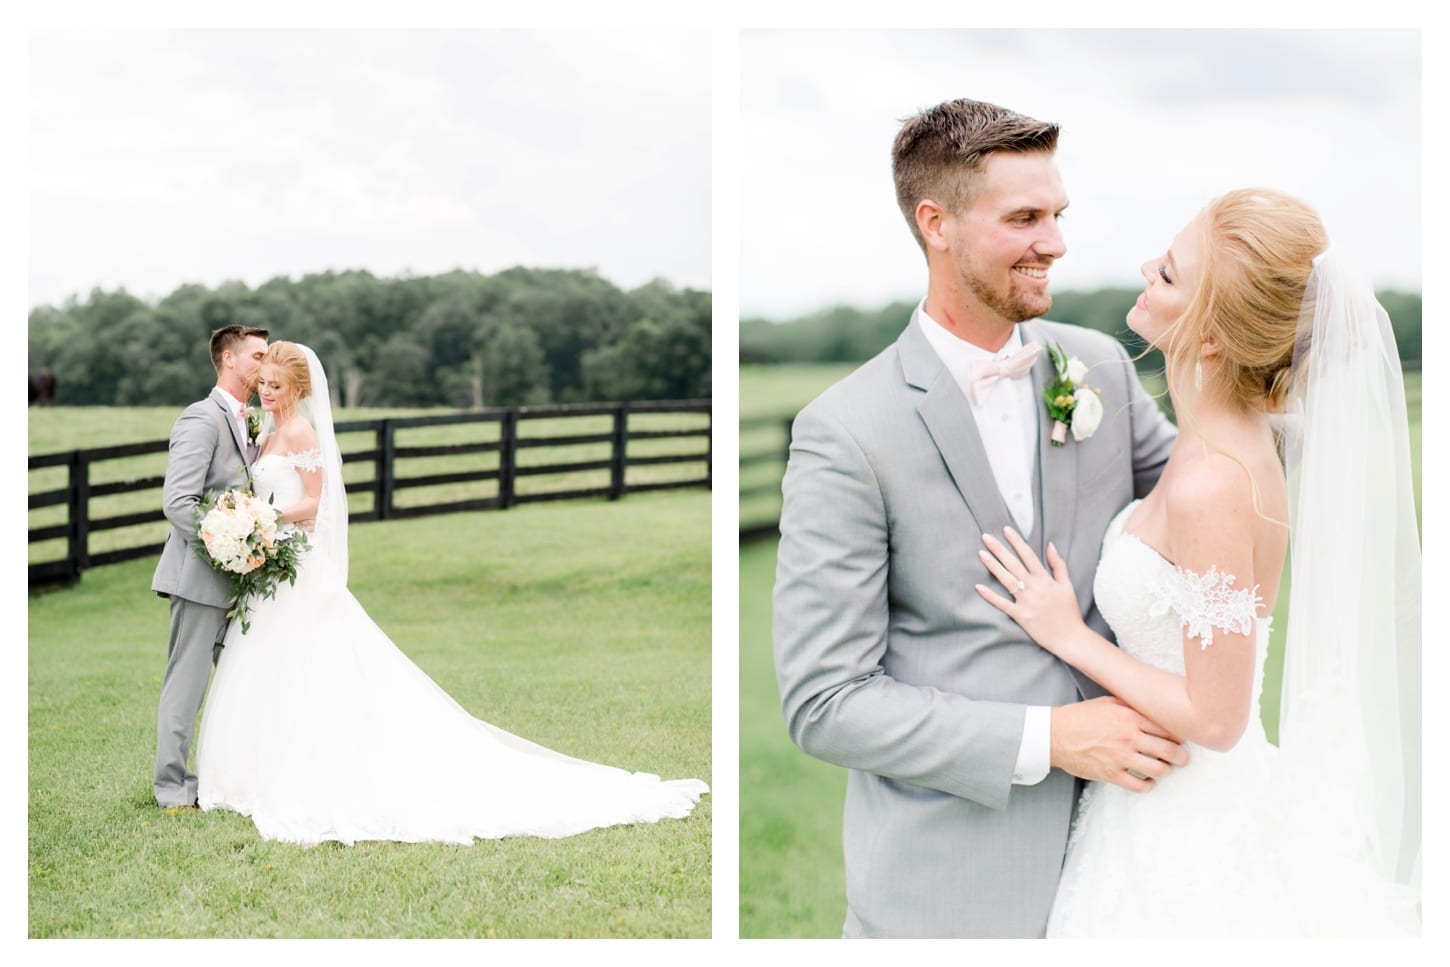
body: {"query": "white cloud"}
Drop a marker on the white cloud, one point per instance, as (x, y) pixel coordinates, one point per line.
(163, 157)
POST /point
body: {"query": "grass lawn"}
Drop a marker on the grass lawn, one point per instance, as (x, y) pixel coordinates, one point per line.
(792, 883)
(584, 626)
(791, 879)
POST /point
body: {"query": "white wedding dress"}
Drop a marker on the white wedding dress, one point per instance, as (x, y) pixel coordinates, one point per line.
(1223, 846)
(319, 728)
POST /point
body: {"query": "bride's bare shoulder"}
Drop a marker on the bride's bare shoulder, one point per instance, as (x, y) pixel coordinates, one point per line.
(296, 436)
(1215, 490)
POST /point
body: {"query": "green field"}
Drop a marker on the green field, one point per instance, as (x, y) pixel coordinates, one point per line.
(791, 879)
(769, 397)
(582, 625)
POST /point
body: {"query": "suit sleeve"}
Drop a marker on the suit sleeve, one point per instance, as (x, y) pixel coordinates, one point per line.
(831, 633)
(189, 456)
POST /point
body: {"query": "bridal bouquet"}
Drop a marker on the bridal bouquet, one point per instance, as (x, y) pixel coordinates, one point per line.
(239, 536)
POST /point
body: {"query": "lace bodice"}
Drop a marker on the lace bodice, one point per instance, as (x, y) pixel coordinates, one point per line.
(276, 476)
(1222, 846)
(1148, 602)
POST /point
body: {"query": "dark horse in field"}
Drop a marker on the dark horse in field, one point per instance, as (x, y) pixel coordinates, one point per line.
(42, 388)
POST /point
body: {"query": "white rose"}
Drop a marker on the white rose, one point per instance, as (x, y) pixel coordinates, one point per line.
(221, 526)
(224, 550)
(260, 515)
(229, 523)
(214, 522)
(1087, 414)
(1076, 370)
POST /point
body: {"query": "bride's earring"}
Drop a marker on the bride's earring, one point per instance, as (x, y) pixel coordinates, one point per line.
(1198, 375)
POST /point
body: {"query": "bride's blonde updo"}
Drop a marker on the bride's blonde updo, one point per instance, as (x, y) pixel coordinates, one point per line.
(289, 358)
(1257, 249)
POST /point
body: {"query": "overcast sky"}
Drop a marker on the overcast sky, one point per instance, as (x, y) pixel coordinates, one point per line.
(1154, 123)
(164, 157)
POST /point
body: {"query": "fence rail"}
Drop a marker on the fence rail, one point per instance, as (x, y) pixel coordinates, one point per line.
(603, 469)
(764, 447)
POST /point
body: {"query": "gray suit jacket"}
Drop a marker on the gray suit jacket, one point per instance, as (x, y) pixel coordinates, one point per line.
(207, 453)
(890, 664)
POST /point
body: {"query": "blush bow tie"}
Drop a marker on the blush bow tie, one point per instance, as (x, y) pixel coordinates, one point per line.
(986, 372)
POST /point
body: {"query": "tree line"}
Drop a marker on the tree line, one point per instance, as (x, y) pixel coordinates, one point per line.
(461, 339)
(843, 334)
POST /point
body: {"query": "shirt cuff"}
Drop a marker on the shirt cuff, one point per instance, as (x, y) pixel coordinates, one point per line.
(1034, 757)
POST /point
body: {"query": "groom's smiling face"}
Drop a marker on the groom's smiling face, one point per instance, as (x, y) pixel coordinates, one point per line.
(1003, 244)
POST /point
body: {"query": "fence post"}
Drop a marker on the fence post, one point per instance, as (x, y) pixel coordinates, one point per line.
(508, 433)
(383, 496)
(78, 538)
(616, 453)
(709, 448)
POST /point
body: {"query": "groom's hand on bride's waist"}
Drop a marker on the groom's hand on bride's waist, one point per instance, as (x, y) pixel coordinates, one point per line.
(1107, 741)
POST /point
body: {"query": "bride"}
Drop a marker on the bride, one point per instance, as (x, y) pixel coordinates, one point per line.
(319, 728)
(1262, 330)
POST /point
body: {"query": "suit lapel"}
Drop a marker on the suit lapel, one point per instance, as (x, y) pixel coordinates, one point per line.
(1056, 466)
(243, 450)
(948, 419)
(1057, 479)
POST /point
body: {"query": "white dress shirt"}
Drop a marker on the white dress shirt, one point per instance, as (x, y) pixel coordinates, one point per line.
(237, 419)
(1007, 423)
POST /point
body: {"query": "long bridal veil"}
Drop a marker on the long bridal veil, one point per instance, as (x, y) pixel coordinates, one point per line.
(330, 531)
(330, 534)
(1350, 710)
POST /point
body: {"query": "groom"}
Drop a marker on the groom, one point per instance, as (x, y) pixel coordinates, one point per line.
(964, 739)
(210, 451)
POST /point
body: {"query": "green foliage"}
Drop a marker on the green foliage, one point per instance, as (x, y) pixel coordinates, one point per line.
(663, 355)
(513, 368)
(848, 334)
(461, 339)
(834, 335)
(1404, 309)
(620, 675)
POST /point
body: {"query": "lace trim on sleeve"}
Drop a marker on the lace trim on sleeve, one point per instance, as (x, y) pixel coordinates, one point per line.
(310, 460)
(1207, 601)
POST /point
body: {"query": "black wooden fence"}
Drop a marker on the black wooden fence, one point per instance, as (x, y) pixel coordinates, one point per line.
(386, 456)
(764, 447)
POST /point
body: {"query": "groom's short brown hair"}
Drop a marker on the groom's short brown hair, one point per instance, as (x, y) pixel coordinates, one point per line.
(938, 151)
(227, 337)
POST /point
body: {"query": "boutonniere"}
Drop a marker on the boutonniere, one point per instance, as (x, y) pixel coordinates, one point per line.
(1070, 403)
(254, 424)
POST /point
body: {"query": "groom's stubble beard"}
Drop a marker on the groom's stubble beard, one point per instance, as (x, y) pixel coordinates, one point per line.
(249, 383)
(1011, 303)
(1014, 305)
